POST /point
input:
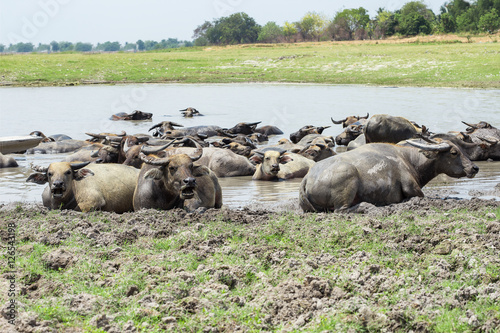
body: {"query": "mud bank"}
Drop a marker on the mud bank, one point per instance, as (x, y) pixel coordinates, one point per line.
(423, 265)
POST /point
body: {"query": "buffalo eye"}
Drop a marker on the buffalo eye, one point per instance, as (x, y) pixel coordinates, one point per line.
(68, 172)
(172, 169)
(50, 174)
(453, 152)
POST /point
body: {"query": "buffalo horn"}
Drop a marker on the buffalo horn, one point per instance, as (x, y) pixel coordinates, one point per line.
(470, 125)
(97, 136)
(76, 166)
(114, 138)
(433, 147)
(198, 152)
(154, 160)
(155, 149)
(155, 126)
(491, 140)
(126, 146)
(367, 115)
(337, 122)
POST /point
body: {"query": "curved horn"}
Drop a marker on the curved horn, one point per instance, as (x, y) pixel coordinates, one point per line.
(156, 126)
(156, 149)
(97, 136)
(337, 122)
(183, 110)
(152, 160)
(114, 138)
(126, 146)
(39, 168)
(474, 126)
(253, 124)
(175, 124)
(223, 132)
(435, 147)
(77, 166)
(491, 140)
(197, 153)
(122, 133)
(367, 115)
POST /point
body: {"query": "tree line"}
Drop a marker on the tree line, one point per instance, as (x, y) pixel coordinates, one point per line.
(63, 46)
(412, 19)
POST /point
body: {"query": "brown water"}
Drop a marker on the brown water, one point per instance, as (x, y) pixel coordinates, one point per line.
(76, 110)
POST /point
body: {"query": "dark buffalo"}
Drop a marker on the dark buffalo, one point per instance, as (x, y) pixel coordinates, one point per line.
(268, 130)
(176, 182)
(380, 174)
(351, 132)
(386, 128)
(84, 187)
(349, 120)
(136, 115)
(190, 112)
(295, 137)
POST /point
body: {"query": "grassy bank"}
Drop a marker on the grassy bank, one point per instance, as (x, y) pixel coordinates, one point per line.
(434, 63)
(429, 265)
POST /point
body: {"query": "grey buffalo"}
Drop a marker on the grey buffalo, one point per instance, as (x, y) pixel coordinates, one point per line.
(7, 161)
(386, 128)
(379, 174)
(174, 181)
(275, 164)
(84, 187)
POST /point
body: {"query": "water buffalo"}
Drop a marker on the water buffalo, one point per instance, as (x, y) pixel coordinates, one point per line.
(7, 161)
(190, 112)
(243, 128)
(84, 187)
(136, 115)
(386, 128)
(295, 137)
(268, 130)
(275, 164)
(223, 162)
(58, 147)
(380, 174)
(318, 149)
(351, 132)
(176, 182)
(349, 120)
(51, 138)
(486, 135)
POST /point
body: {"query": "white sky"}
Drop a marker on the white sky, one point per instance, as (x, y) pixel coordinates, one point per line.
(42, 21)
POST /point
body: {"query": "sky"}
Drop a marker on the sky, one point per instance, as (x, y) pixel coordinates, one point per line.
(94, 21)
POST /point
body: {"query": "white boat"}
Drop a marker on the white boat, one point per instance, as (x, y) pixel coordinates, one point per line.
(14, 144)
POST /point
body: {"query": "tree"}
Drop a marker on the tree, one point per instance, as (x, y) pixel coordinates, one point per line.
(350, 21)
(2, 48)
(447, 23)
(54, 46)
(467, 21)
(65, 46)
(150, 45)
(384, 23)
(289, 30)
(140, 45)
(235, 29)
(42, 47)
(270, 33)
(129, 46)
(415, 18)
(489, 22)
(24, 47)
(311, 26)
(83, 47)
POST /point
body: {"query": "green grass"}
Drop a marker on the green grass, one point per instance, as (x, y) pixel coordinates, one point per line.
(473, 65)
(212, 271)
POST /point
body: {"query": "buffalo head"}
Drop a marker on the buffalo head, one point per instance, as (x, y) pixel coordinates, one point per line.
(349, 120)
(271, 160)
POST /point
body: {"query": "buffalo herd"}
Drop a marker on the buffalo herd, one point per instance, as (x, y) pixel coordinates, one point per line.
(388, 159)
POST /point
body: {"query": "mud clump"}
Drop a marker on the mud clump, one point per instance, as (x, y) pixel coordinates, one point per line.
(404, 267)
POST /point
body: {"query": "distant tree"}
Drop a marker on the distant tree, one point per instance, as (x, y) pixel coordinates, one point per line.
(290, 31)
(270, 33)
(201, 30)
(83, 47)
(237, 28)
(447, 23)
(384, 23)
(455, 7)
(468, 21)
(311, 26)
(65, 46)
(42, 47)
(54, 46)
(349, 22)
(140, 45)
(201, 41)
(129, 46)
(489, 22)
(23, 47)
(2, 48)
(150, 45)
(110, 46)
(415, 18)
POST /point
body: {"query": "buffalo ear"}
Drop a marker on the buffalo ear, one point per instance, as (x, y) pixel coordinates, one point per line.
(256, 159)
(429, 153)
(38, 178)
(285, 159)
(200, 170)
(82, 173)
(155, 174)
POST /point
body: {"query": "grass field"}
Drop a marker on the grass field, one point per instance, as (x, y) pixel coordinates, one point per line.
(429, 62)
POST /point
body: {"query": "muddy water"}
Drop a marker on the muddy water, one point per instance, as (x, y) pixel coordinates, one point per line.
(76, 110)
